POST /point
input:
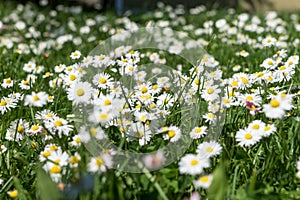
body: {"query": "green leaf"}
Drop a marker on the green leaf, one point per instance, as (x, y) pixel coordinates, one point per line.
(218, 188)
(46, 187)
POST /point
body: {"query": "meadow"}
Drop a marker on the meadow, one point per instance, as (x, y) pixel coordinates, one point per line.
(169, 104)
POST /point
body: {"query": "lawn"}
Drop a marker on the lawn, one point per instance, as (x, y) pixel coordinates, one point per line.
(175, 103)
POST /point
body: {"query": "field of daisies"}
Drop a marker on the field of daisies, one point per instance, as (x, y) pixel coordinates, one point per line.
(113, 122)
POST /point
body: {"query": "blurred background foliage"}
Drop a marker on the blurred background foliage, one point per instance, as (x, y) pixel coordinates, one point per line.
(146, 5)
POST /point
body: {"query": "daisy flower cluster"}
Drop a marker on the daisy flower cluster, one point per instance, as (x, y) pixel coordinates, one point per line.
(58, 98)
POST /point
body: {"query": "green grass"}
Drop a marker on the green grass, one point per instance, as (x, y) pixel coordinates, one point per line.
(266, 170)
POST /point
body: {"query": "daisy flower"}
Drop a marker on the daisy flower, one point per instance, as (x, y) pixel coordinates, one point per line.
(100, 163)
(210, 93)
(198, 132)
(203, 181)
(102, 81)
(54, 170)
(75, 55)
(209, 117)
(80, 92)
(257, 127)
(24, 85)
(74, 160)
(102, 116)
(165, 100)
(29, 67)
(277, 106)
(58, 125)
(59, 157)
(7, 104)
(59, 68)
(35, 130)
(209, 149)
(173, 134)
(45, 115)
(36, 99)
(268, 130)
(269, 41)
(141, 132)
(246, 138)
(7, 83)
(192, 164)
(76, 141)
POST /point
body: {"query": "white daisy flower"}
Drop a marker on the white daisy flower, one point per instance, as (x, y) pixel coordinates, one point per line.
(203, 181)
(173, 134)
(198, 132)
(100, 163)
(192, 164)
(36, 99)
(80, 92)
(75, 55)
(246, 138)
(268, 130)
(209, 149)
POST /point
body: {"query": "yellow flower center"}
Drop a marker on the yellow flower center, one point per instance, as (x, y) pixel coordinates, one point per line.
(249, 98)
(3, 103)
(256, 126)
(74, 160)
(210, 90)
(93, 131)
(205, 59)
(281, 68)
(198, 130)
(211, 115)
(260, 74)
(234, 83)
(49, 115)
(101, 57)
(204, 179)
(36, 98)
(171, 133)
(248, 136)
(107, 102)
(226, 101)
(80, 92)
(155, 87)
(102, 80)
(103, 116)
(46, 154)
(282, 95)
(270, 62)
(194, 162)
(55, 169)
(77, 140)
(58, 123)
(274, 103)
(13, 194)
(144, 90)
(7, 81)
(20, 129)
(209, 149)
(35, 127)
(99, 161)
(72, 77)
(25, 82)
(53, 148)
(244, 80)
(267, 128)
